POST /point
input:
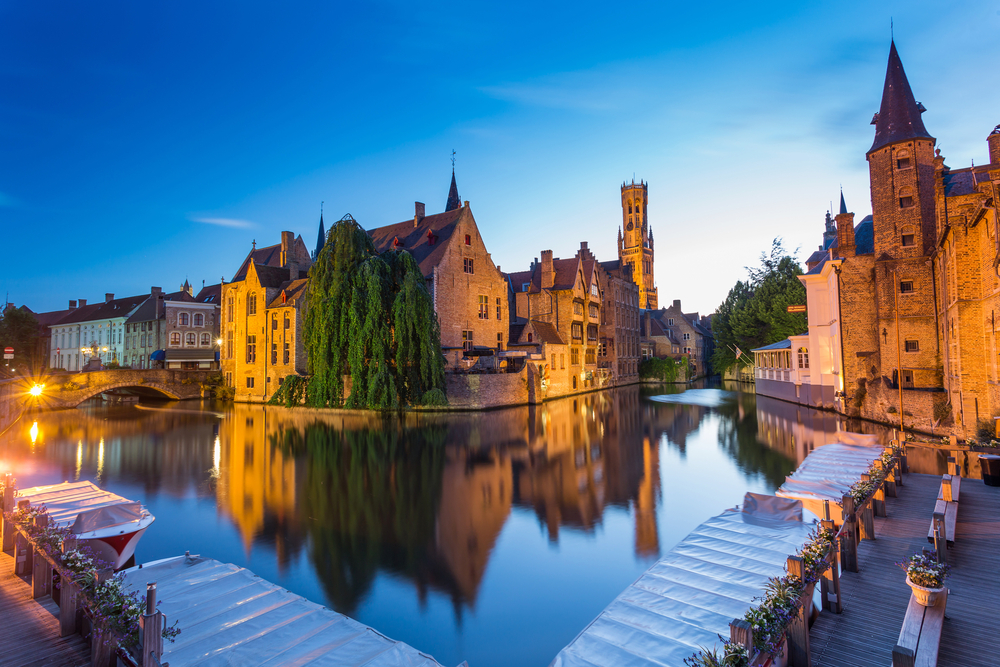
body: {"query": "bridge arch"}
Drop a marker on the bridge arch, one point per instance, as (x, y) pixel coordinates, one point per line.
(90, 392)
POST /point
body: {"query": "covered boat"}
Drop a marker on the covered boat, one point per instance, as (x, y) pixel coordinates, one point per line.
(684, 601)
(829, 472)
(109, 525)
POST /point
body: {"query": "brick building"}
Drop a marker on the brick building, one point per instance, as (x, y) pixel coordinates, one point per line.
(619, 349)
(469, 292)
(691, 333)
(263, 307)
(176, 330)
(635, 246)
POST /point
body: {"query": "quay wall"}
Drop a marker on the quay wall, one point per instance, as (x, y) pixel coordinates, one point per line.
(10, 406)
(489, 390)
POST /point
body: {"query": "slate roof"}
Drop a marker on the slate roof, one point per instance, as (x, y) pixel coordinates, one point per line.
(898, 118)
(780, 345)
(268, 256)
(546, 333)
(293, 289)
(864, 237)
(210, 294)
(517, 280)
(515, 333)
(816, 258)
(103, 310)
(321, 237)
(454, 201)
(271, 276)
(147, 311)
(426, 241)
(964, 181)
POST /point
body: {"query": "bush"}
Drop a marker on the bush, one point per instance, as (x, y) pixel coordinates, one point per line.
(291, 391)
(664, 370)
(985, 430)
(112, 366)
(942, 412)
(434, 397)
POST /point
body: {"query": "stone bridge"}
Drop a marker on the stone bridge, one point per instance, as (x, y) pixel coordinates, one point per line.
(68, 390)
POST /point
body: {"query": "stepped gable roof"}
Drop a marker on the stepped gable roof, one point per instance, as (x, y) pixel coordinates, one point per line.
(454, 201)
(147, 311)
(210, 294)
(864, 237)
(271, 276)
(546, 333)
(415, 240)
(898, 117)
(268, 256)
(293, 290)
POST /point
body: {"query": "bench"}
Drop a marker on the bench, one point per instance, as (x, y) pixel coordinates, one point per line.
(946, 509)
(920, 636)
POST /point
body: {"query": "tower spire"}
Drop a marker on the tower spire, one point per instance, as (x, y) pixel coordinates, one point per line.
(843, 204)
(453, 199)
(321, 239)
(898, 118)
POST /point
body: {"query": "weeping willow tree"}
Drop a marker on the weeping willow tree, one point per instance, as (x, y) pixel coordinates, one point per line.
(370, 317)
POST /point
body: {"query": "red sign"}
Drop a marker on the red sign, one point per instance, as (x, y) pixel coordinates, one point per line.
(8, 350)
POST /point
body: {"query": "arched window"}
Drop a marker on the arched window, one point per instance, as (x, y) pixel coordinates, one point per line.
(206, 340)
(190, 340)
(183, 319)
(803, 358)
(175, 338)
(199, 320)
(905, 197)
(903, 159)
(252, 303)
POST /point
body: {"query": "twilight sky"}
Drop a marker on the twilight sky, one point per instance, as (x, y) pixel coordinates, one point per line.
(143, 143)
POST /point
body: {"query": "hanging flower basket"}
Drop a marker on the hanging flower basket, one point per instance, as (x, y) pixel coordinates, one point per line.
(927, 597)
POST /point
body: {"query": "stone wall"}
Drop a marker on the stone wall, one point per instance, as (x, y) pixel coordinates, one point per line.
(492, 390)
(10, 406)
(68, 391)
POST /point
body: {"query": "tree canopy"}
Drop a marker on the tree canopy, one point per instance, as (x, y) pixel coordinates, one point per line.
(370, 317)
(19, 330)
(755, 312)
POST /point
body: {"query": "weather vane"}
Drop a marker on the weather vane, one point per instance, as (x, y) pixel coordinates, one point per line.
(453, 159)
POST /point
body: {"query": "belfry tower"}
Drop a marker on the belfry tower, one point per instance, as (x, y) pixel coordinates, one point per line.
(635, 247)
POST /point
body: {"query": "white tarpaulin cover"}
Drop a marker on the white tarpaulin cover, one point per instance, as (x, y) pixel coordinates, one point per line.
(229, 616)
(70, 503)
(689, 597)
(828, 473)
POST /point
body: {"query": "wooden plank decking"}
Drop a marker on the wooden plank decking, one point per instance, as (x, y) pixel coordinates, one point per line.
(29, 631)
(875, 599)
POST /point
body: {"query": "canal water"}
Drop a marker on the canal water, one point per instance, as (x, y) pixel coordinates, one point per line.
(491, 537)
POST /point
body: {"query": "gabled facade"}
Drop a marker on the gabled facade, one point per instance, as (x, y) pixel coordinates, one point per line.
(176, 330)
(93, 333)
(619, 351)
(262, 312)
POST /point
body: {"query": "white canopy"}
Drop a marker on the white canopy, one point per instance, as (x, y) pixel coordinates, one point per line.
(828, 473)
(689, 597)
(229, 616)
(83, 506)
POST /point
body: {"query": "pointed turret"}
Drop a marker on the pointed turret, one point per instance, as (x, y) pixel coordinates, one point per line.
(898, 119)
(321, 239)
(453, 200)
(843, 204)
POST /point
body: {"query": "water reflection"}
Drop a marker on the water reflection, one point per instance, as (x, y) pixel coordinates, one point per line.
(368, 514)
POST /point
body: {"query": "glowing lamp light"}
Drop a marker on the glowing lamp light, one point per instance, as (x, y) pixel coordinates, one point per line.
(218, 341)
(36, 390)
(34, 432)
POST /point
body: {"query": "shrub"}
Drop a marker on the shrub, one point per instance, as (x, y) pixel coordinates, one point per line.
(942, 412)
(985, 430)
(434, 397)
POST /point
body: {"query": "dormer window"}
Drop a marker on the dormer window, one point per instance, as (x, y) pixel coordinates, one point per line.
(395, 242)
(524, 287)
(284, 297)
(905, 197)
(903, 159)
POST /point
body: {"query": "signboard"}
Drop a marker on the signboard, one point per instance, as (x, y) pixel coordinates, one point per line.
(796, 309)
(8, 353)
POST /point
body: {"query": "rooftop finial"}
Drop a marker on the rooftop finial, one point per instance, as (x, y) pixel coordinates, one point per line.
(453, 160)
(255, 244)
(892, 36)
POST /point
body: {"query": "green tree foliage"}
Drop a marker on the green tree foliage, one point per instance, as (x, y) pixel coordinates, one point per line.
(664, 370)
(369, 317)
(755, 312)
(19, 330)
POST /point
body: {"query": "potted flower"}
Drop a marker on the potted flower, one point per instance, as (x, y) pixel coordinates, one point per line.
(925, 575)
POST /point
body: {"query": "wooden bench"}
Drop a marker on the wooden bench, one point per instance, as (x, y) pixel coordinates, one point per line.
(946, 509)
(920, 636)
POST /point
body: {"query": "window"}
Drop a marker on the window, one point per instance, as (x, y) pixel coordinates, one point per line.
(190, 339)
(908, 240)
(199, 320)
(803, 358)
(595, 310)
(484, 307)
(529, 336)
(467, 339)
(183, 319)
(288, 322)
(594, 290)
(229, 309)
(670, 321)
(175, 338)
(498, 308)
(553, 361)
(274, 323)
(905, 197)
(590, 356)
(578, 308)
(574, 356)
(229, 379)
(687, 336)
(229, 345)
(249, 382)
(252, 303)
(143, 340)
(602, 350)
(251, 349)
(908, 378)
(206, 340)
(468, 239)
(274, 354)
(912, 346)
(905, 286)
(524, 287)
(591, 332)
(562, 360)
(903, 159)
(577, 330)
(286, 353)
(469, 268)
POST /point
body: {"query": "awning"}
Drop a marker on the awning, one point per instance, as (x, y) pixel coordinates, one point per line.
(191, 355)
(157, 356)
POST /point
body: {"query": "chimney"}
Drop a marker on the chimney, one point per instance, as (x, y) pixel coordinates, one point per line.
(548, 270)
(845, 234)
(83, 302)
(72, 304)
(108, 297)
(154, 291)
(287, 255)
(418, 212)
(994, 141)
(677, 304)
(583, 245)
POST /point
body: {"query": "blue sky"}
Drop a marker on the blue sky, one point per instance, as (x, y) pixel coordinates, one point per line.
(141, 145)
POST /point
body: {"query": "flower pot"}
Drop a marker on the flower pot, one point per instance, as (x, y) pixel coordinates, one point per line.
(927, 597)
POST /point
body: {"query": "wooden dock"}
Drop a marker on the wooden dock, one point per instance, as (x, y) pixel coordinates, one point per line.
(875, 599)
(29, 633)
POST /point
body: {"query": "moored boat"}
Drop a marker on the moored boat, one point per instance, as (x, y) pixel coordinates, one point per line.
(108, 524)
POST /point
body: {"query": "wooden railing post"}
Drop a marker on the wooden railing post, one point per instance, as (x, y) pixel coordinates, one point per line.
(8, 506)
(741, 632)
(68, 596)
(41, 571)
(946, 490)
(865, 518)
(904, 466)
(903, 657)
(798, 630)
(890, 478)
(151, 630)
(940, 537)
(23, 553)
(878, 498)
(830, 583)
(849, 536)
